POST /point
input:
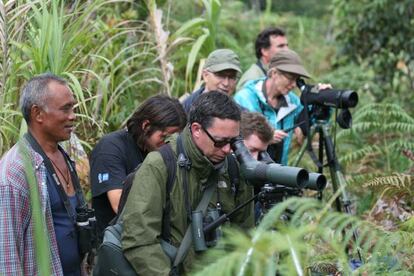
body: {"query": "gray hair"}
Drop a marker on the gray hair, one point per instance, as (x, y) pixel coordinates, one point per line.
(35, 92)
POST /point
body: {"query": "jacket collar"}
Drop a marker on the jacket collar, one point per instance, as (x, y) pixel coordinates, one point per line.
(199, 162)
(284, 110)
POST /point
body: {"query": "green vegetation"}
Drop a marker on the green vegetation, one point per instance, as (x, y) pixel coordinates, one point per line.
(116, 53)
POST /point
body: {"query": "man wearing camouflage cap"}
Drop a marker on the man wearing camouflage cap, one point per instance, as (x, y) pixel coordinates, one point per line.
(220, 73)
(272, 97)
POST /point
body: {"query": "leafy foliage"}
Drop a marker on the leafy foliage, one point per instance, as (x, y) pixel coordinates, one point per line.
(379, 34)
(314, 238)
(381, 133)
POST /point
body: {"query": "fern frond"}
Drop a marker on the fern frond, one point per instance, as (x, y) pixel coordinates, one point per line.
(358, 154)
(401, 145)
(396, 184)
(399, 126)
(397, 180)
(358, 179)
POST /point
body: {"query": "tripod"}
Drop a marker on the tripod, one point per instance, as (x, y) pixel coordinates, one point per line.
(342, 203)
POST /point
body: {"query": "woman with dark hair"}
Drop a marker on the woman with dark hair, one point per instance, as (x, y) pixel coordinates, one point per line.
(118, 153)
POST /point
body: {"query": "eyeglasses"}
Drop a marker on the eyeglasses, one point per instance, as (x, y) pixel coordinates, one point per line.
(219, 143)
(224, 75)
(289, 76)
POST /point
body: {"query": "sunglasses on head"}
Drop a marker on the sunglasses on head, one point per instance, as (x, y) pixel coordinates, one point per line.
(219, 143)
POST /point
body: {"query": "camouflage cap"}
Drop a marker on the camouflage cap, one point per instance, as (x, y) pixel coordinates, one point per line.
(288, 61)
(222, 59)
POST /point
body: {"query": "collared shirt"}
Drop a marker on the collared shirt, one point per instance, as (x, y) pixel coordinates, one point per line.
(17, 251)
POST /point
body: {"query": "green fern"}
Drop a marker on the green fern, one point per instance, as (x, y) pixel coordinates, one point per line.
(314, 238)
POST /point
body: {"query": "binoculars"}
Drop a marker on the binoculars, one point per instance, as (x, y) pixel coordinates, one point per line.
(86, 229)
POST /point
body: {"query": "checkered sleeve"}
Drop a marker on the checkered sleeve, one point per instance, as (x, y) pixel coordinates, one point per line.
(14, 220)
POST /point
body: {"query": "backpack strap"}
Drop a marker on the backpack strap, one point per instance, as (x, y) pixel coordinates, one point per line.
(126, 188)
(170, 161)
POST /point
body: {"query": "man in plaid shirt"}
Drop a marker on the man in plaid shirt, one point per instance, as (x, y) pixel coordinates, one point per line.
(47, 105)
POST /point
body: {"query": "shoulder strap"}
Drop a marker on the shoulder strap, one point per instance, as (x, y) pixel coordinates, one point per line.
(260, 65)
(49, 167)
(187, 240)
(170, 161)
(126, 188)
(233, 171)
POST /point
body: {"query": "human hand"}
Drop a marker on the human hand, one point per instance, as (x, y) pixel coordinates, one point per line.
(322, 86)
(278, 135)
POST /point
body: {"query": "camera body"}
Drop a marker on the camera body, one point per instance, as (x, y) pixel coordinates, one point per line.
(86, 229)
(320, 102)
(337, 98)
(202, 240)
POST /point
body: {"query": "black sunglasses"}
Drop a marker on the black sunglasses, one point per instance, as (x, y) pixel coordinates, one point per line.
(219, 143)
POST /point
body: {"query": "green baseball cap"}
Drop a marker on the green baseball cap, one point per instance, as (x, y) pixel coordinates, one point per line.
(288, 61)
(222, 59)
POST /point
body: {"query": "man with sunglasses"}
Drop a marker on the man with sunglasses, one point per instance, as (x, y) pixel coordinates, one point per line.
(220, 73)
(273, 97)
(214, 121)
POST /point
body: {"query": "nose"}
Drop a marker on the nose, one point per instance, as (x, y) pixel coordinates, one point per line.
(226, 149)
(292, 84)
(72, 115)
(225, 81)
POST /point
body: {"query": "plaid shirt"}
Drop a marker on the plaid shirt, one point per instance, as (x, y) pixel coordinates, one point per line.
(17, 252)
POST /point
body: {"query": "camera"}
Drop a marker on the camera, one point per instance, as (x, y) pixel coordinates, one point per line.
(320, 102)
(86, 229)
(327, 97)
(270, 194)
(203, 239)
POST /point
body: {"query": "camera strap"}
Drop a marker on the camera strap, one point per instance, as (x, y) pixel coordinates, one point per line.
(233, 171)
(185, 165)
(260, 65)
(188, 237)
(54, 178)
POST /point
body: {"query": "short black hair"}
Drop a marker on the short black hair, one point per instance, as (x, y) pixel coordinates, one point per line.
(161, 111)
(214, 104)
(263, 39)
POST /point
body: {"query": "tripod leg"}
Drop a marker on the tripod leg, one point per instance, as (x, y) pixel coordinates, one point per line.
(303, 148)
(338, 181)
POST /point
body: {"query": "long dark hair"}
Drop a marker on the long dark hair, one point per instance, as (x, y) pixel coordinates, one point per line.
(161, 112)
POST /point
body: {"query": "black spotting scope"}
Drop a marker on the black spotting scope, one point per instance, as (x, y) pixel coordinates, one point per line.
(327, 97)
(259, 172)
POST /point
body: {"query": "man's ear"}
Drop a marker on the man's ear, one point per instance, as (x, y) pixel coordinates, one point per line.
(204, 74)
(265, 53)
(36, 114)
(196, 129)
(145, 125)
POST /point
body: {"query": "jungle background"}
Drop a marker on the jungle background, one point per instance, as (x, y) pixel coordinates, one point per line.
(117, 53)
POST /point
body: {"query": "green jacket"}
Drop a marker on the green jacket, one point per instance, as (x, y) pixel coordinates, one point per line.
(253, 73)
(142, 219)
